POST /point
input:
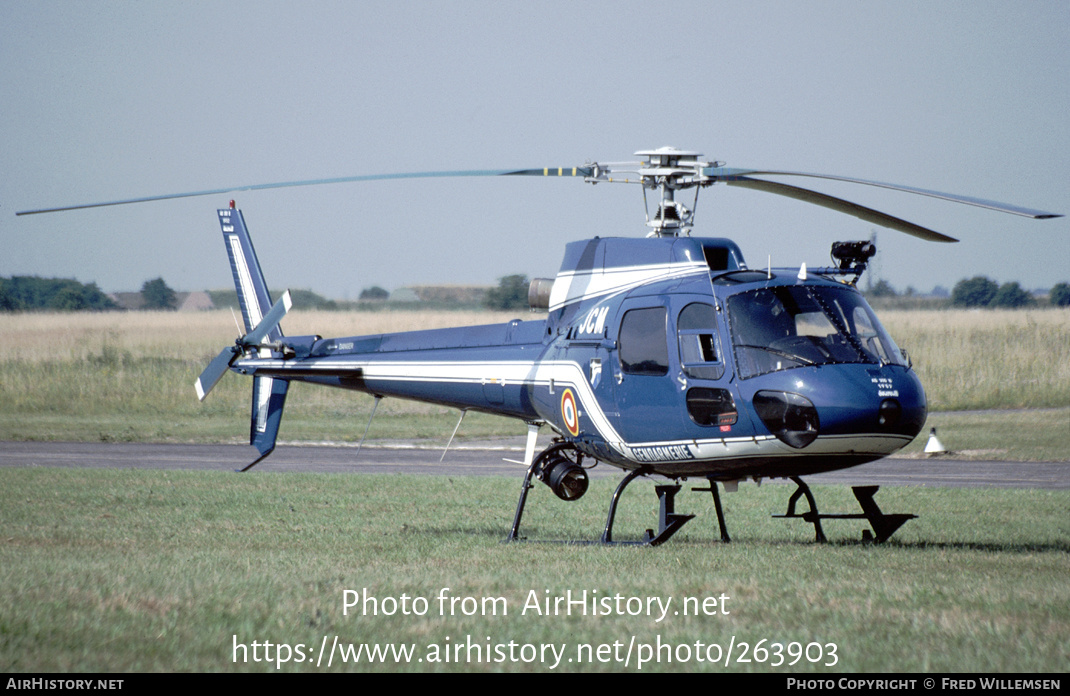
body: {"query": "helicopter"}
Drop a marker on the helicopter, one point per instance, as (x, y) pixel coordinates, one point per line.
(664, 355)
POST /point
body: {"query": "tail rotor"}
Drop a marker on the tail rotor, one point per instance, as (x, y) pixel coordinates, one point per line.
(250, 341)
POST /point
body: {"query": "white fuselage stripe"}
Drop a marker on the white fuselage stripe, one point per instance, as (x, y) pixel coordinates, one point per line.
(593, 283)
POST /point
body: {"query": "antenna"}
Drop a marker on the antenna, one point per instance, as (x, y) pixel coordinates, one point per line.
(235, 316)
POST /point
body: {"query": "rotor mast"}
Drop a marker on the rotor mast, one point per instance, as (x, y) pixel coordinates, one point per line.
(668, 170)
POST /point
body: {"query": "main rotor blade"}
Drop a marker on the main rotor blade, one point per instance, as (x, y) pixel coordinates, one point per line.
(727, 174)
(838, 204)
(545, 171)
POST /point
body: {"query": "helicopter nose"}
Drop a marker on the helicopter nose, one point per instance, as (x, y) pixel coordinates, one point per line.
(902, 409)
(877, 406)
(903, 417)
(847, 400)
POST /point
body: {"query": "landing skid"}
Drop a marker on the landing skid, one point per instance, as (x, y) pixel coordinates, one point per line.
(669, 521)
(884, 526)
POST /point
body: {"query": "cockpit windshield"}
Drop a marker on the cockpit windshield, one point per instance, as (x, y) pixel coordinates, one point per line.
(779, 328)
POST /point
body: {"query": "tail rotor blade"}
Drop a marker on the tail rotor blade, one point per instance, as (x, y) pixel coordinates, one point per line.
(215, 371)
(270, 320)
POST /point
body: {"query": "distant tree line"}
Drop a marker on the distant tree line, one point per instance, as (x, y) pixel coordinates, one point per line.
(511, 293)
(981, 291)
(302, 299)
(28, 293)
(157, 295)
(374, 293)
(1060, 295)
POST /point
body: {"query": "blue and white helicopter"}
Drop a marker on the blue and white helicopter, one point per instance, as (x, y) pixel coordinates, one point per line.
(664, 356)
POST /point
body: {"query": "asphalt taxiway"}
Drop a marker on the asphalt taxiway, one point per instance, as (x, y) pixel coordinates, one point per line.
(488, 460)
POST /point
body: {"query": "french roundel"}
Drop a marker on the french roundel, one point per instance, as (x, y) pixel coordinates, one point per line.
(569, 412)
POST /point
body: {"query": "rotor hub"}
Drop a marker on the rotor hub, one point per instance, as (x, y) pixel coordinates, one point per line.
(670, 169)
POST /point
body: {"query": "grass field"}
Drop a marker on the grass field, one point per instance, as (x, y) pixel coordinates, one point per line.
(136, 571)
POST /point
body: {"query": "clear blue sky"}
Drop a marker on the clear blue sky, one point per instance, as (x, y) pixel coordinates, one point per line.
(110, 100)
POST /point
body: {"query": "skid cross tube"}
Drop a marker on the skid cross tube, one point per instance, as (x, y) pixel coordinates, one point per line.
(717, 506)
(669, 521)
(607, 534)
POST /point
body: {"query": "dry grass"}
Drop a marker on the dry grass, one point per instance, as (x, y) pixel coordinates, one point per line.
(83, 369)
(129, 376)
(976, 359)
(64, 337)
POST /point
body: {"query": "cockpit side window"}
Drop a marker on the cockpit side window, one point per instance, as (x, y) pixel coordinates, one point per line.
(868, 336)
(700, 351)
(644, 342)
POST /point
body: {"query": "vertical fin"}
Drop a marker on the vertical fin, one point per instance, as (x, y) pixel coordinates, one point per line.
(269, 398)
(269, 393)
(248, 277)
